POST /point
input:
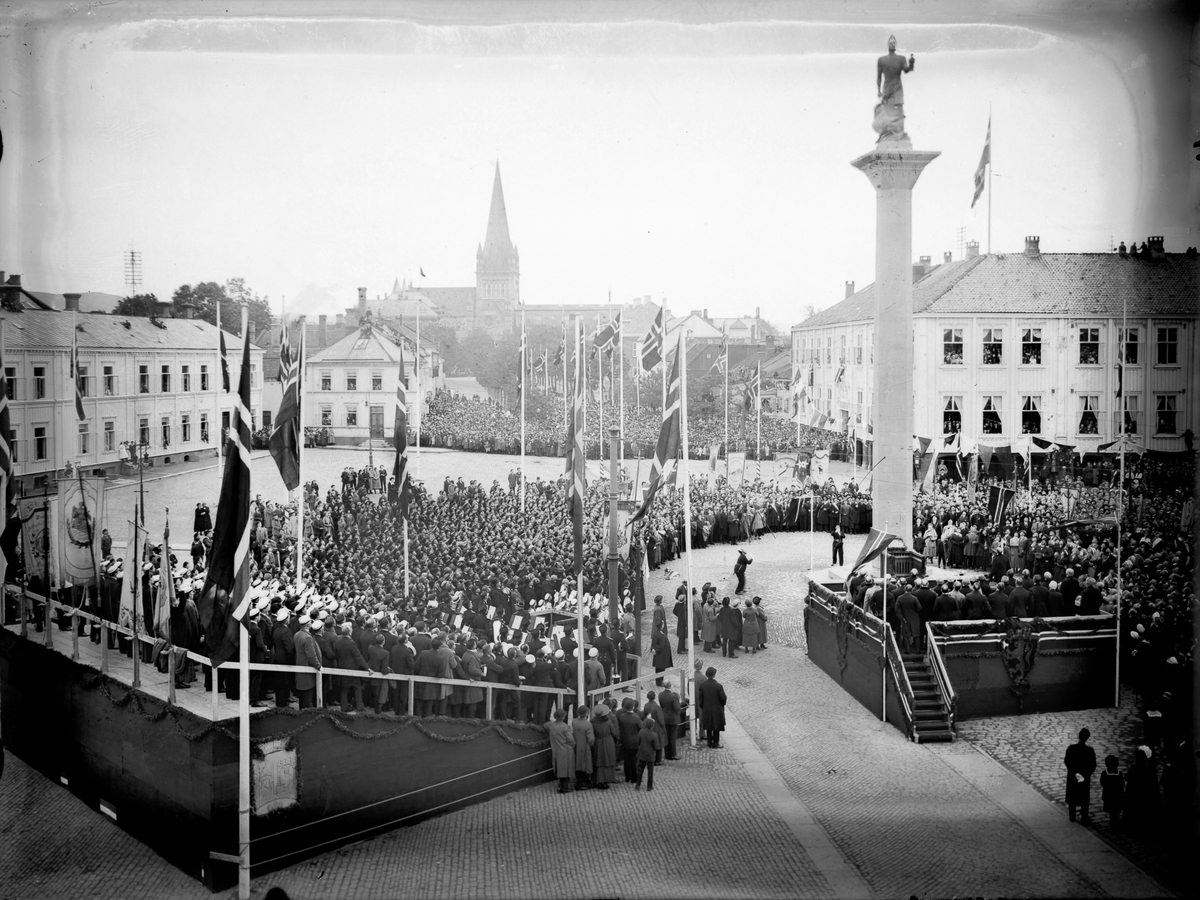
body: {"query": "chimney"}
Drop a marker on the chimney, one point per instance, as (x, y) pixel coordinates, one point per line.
(1123, 251)
(849, 288)
(918, 271)
(771, 342)
(947, 258)
(323, 330)
(340, 319)
(362, 300)
(162, 309)
(972, 249)
(758, 312)
(1031, 246)
(72, 302)
(706, 314)
(12, 293)
(927, 262)
(188, 310)
(1155, 242)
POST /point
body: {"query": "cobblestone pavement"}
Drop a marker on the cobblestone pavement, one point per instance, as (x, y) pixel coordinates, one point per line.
(909, 822)
(1032, 747)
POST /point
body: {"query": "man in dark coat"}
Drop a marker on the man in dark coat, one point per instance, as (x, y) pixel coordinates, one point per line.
(285, 655)
(1019, 601)
(629, 723)
(402, 661)
(681, 622)
(944, 607)
(608, 653)
(976, 606)
(739, 569)
(660, 647)
(1090, 599)
(1070, 591)
(669, 701)
(1080, 761)
(908, 608)
(998, 601)
(349, 657)
(711, 703)
(1040, 597)
(926, 597)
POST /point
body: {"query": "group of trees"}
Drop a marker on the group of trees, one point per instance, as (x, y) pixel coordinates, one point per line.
(204, 297)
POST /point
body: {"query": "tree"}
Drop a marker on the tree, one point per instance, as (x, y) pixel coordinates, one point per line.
(205, 296)
(260, 308)
(137, 305)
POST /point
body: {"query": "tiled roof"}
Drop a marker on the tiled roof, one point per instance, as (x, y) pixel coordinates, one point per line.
(377, 349)
(1052, 284)
(89, 301)
(51, 329)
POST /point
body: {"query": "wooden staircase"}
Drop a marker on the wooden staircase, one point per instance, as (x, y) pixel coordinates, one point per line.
(931, 718)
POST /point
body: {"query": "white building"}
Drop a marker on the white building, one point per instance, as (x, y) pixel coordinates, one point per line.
(350, 386)
(146, 380)
(1008, 345)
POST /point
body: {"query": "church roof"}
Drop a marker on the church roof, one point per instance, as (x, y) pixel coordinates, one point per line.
(497, 246)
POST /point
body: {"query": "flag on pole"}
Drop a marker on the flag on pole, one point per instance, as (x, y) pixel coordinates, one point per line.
(755, 395)
(576, 464)
(558, 357)
(165, 598)
(400, 440)
(667, 448)
(817, 419)
(876, 542)
(998, 501)
(652, 343)
(226, 596)
(606, 337)
(799, 394)
(841, 373)
(985, 160)
(284, 442)
(521, 368)
(224, 364)
(6, 475)
(722, 363)
(76, 377)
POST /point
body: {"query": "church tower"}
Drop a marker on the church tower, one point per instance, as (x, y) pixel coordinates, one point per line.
(497, 268)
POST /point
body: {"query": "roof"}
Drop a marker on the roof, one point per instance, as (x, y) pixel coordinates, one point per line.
(89, 301)
(51, 329)
(377, 347)
(1051, 284)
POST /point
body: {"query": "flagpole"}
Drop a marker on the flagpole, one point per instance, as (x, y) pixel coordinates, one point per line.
(621, 372)
(298, 369)
(406, 586)
(417, 372)
(219, 384)
(600, 372)
(243, 721)
(758, 424)
(524, 390)
(1120, 502)
(581, 398)
(726, 351)
(883, 631)
(991, 158)
(687, 521)
(812, 503)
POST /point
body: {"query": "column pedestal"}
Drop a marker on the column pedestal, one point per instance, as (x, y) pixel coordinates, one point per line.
(893, 168)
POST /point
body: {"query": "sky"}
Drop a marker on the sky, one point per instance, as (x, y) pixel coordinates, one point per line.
(708, 164)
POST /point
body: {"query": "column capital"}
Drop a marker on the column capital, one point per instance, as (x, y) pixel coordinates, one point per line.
(895, 168)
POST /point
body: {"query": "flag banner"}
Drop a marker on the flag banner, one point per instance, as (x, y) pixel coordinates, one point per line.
(999, 499)
(651, 352)
(736, 467)
(667, 448)
(224, 365)
(7, 537)
(722, 362)
(877, 540)
(128, 616)
(521, 351)
(755, 396)
(38, 537)
(558, 356)
(400, 440)
(1124, 442)
(985, 160)
(841, 373)
(76, 375)
(1120, 380)
(164, 595)
(82, 503)
(713, 450)
(606, 337)
(1004, 455)
(924, 460)
(225, 598)
(985, 455)
(972, 476)
(577, 465)
(284, 443)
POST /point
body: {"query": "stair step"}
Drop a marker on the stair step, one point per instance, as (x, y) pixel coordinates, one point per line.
(935, 737)
(928, 703)
(927, 715)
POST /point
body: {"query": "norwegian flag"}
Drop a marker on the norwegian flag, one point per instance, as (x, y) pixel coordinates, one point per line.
(667, 448)
(76, 377)
(841, 373)
(577, 462)
(6, 470)
(652, 343)
(877, 541)
(400, 440)
(722, 363)
(284, 443)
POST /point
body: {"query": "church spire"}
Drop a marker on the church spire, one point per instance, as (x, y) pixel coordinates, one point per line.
(497, 246)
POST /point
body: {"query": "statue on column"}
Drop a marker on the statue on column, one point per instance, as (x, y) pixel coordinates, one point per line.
(889, 112)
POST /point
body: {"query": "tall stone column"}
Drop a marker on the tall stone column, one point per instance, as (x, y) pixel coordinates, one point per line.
(893, 168)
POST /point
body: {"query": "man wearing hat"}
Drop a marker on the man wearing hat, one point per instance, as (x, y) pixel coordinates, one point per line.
(284, 655)
(307, 654)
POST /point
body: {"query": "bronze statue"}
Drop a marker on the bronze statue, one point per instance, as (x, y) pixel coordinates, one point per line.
(889, 112)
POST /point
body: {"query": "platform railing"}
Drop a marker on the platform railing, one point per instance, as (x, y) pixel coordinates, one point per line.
(933, 653)
(903, 686)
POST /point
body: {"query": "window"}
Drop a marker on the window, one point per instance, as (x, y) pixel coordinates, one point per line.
(1089, 346)
(13, 445)
(1132, 413)
(110, 381)
(266, 418)
(952, 346)
(166, 379)
(351, 418)
(829, 350)
(1031, 347)
(1168, 347)
(352, 381)
(860, 398)
(842, 357)
(327, 381)
(254, 419)
(41, 443)
(1031, 415)
(185, 375)
(993, 346)
(110, 436)
(952, 416)
(185, 426)
(144, 431)
(203, 377)
(993, 415)
(39, 382)
(10, 379)
(253, 376)
(858, 352)
(143, 379)
(203, 425)
(1089, 409)
(1164, 405)
(1128, 339)
(165, 425)
(85, 444)
(377, 381)
(81, 375)
(326, 415)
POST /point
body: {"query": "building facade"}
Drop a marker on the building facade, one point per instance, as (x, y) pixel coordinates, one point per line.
(150, 385)
(1074, 348)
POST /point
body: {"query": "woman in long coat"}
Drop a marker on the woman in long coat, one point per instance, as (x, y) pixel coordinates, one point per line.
(708, 628)
(660, 646)
(762, 624)
(585, 739)
(729, 621)
(607, 733)
(562, 748)
(750, 627)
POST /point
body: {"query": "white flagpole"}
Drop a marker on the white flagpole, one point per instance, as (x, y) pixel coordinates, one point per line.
(1120, 501)
(991, 160)
(299, 369)
(812, 516)
(758, 423)
(726, 350)
(406, 588)
(621, 373)
(580, 396)
(600, 372)
(243, 723)
(883, 631)
(220, 385)
(524, 390)
(417, 372)
(687, 522)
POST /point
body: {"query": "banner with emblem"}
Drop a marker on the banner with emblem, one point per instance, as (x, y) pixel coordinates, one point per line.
(81, 505)
(38, 537)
